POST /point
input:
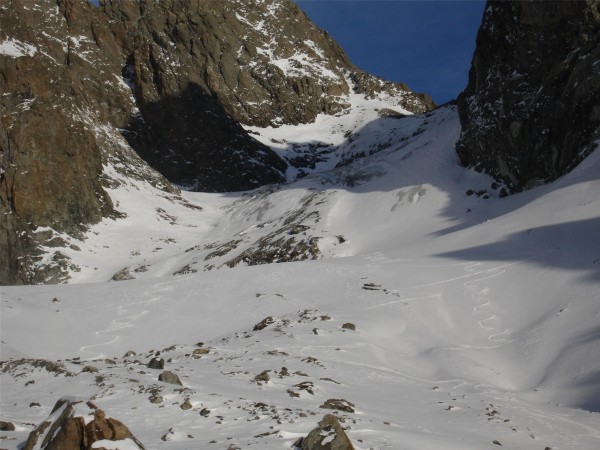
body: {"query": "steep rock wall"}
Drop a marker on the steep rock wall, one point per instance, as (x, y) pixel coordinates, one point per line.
(531, 110)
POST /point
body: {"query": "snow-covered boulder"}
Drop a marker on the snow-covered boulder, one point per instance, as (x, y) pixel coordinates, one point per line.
(329, 435)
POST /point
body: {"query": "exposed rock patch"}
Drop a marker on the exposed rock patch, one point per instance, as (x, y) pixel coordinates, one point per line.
(338, 405)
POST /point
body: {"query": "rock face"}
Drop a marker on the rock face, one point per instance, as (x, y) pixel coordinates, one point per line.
(77, 425)
(531, 110)
(87, 91)
(263, 61)
(62, 106)
(329, 435)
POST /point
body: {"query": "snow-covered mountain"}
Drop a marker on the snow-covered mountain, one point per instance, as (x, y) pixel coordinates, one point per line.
(383, 282)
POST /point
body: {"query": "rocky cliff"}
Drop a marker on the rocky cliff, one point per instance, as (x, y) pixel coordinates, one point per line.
(87, 91)
(53, 64)
(531, 110)
(263, 61)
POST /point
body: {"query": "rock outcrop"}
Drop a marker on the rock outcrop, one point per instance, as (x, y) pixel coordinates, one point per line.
(80, 425)
(329, 435)
(531, 110)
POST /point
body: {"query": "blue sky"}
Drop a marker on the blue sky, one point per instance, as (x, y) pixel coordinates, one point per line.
(426, 44)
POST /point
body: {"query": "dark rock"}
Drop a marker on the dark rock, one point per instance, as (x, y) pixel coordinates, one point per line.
(69, 428)
(166, 437)
(306, 386)
(263, 324)
(262, 377)
(338, 405)
(169, 377)
(349, 326)
(90, 369)
(129, 354)
(531, 110)
(156, 399)
(156, 363)
(7, 426)
(204, 412)
(329, 435)
(497, 443)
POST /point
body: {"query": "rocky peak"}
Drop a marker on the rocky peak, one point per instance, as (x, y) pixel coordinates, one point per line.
(531, 110)
(263, 60)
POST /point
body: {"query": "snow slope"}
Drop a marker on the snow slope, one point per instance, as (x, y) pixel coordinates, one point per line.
(477, 317)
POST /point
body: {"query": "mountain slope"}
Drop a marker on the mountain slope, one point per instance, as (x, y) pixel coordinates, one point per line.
(384, 282)
(475, 315)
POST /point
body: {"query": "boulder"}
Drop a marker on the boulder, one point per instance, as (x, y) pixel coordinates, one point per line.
(186, 404)
(6, 426)
(78, 425)
(169, 377)
(329, 435)
(156, 363)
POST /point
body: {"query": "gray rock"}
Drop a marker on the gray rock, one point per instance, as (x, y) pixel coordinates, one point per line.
(338, 405)
(156, 399)
(169, 377)
(123, 275)
(186, 405)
